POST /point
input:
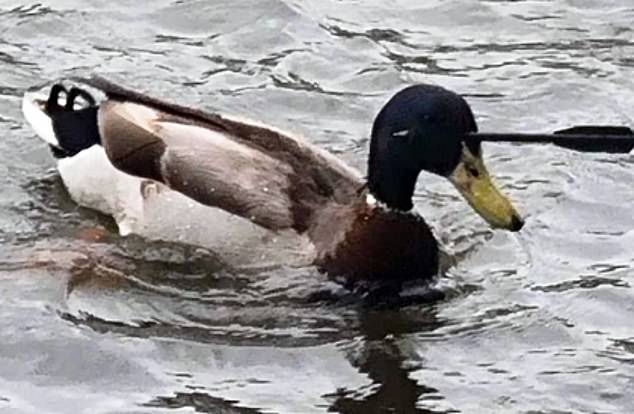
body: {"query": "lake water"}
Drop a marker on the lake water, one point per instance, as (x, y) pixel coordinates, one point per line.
(540, 321)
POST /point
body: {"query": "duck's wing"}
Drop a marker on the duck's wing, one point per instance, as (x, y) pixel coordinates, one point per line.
(254, 171)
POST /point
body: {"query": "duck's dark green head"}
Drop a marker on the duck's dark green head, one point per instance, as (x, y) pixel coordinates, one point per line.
(423, 127)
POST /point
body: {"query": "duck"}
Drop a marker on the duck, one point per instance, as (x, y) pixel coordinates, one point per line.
(359, 227)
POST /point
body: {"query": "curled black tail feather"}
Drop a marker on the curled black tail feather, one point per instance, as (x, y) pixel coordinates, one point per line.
(75, 129)
(74, 93)
(52, 104)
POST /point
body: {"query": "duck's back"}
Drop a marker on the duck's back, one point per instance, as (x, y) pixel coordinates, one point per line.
(254, 171)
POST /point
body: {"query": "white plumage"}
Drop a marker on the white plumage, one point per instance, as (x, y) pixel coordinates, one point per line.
(37, 118)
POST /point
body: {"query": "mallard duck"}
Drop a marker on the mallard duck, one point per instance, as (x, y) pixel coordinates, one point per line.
(359, 229)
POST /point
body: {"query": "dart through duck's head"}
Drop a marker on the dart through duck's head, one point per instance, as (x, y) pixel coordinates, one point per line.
(423, 127)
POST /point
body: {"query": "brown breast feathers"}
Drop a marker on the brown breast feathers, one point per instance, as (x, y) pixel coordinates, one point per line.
(364, 242)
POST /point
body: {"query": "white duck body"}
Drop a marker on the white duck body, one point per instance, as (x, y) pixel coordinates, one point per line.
(152, 210)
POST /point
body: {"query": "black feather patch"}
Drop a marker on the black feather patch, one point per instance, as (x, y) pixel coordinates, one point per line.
(75, 129)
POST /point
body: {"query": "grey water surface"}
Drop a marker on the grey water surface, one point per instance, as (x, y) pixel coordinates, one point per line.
(540, 321)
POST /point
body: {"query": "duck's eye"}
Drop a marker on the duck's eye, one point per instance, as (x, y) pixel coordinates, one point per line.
(473, 171)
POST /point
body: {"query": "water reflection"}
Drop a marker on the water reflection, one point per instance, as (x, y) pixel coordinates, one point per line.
(382, 355)
(201, 403)
(375, 338)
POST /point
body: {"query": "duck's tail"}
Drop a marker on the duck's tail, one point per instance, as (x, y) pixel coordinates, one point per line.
(69, 127)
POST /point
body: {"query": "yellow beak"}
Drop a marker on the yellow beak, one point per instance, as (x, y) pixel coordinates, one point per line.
(473, 181)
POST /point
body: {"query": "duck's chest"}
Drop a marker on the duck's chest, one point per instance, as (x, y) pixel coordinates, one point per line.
(372, 243)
